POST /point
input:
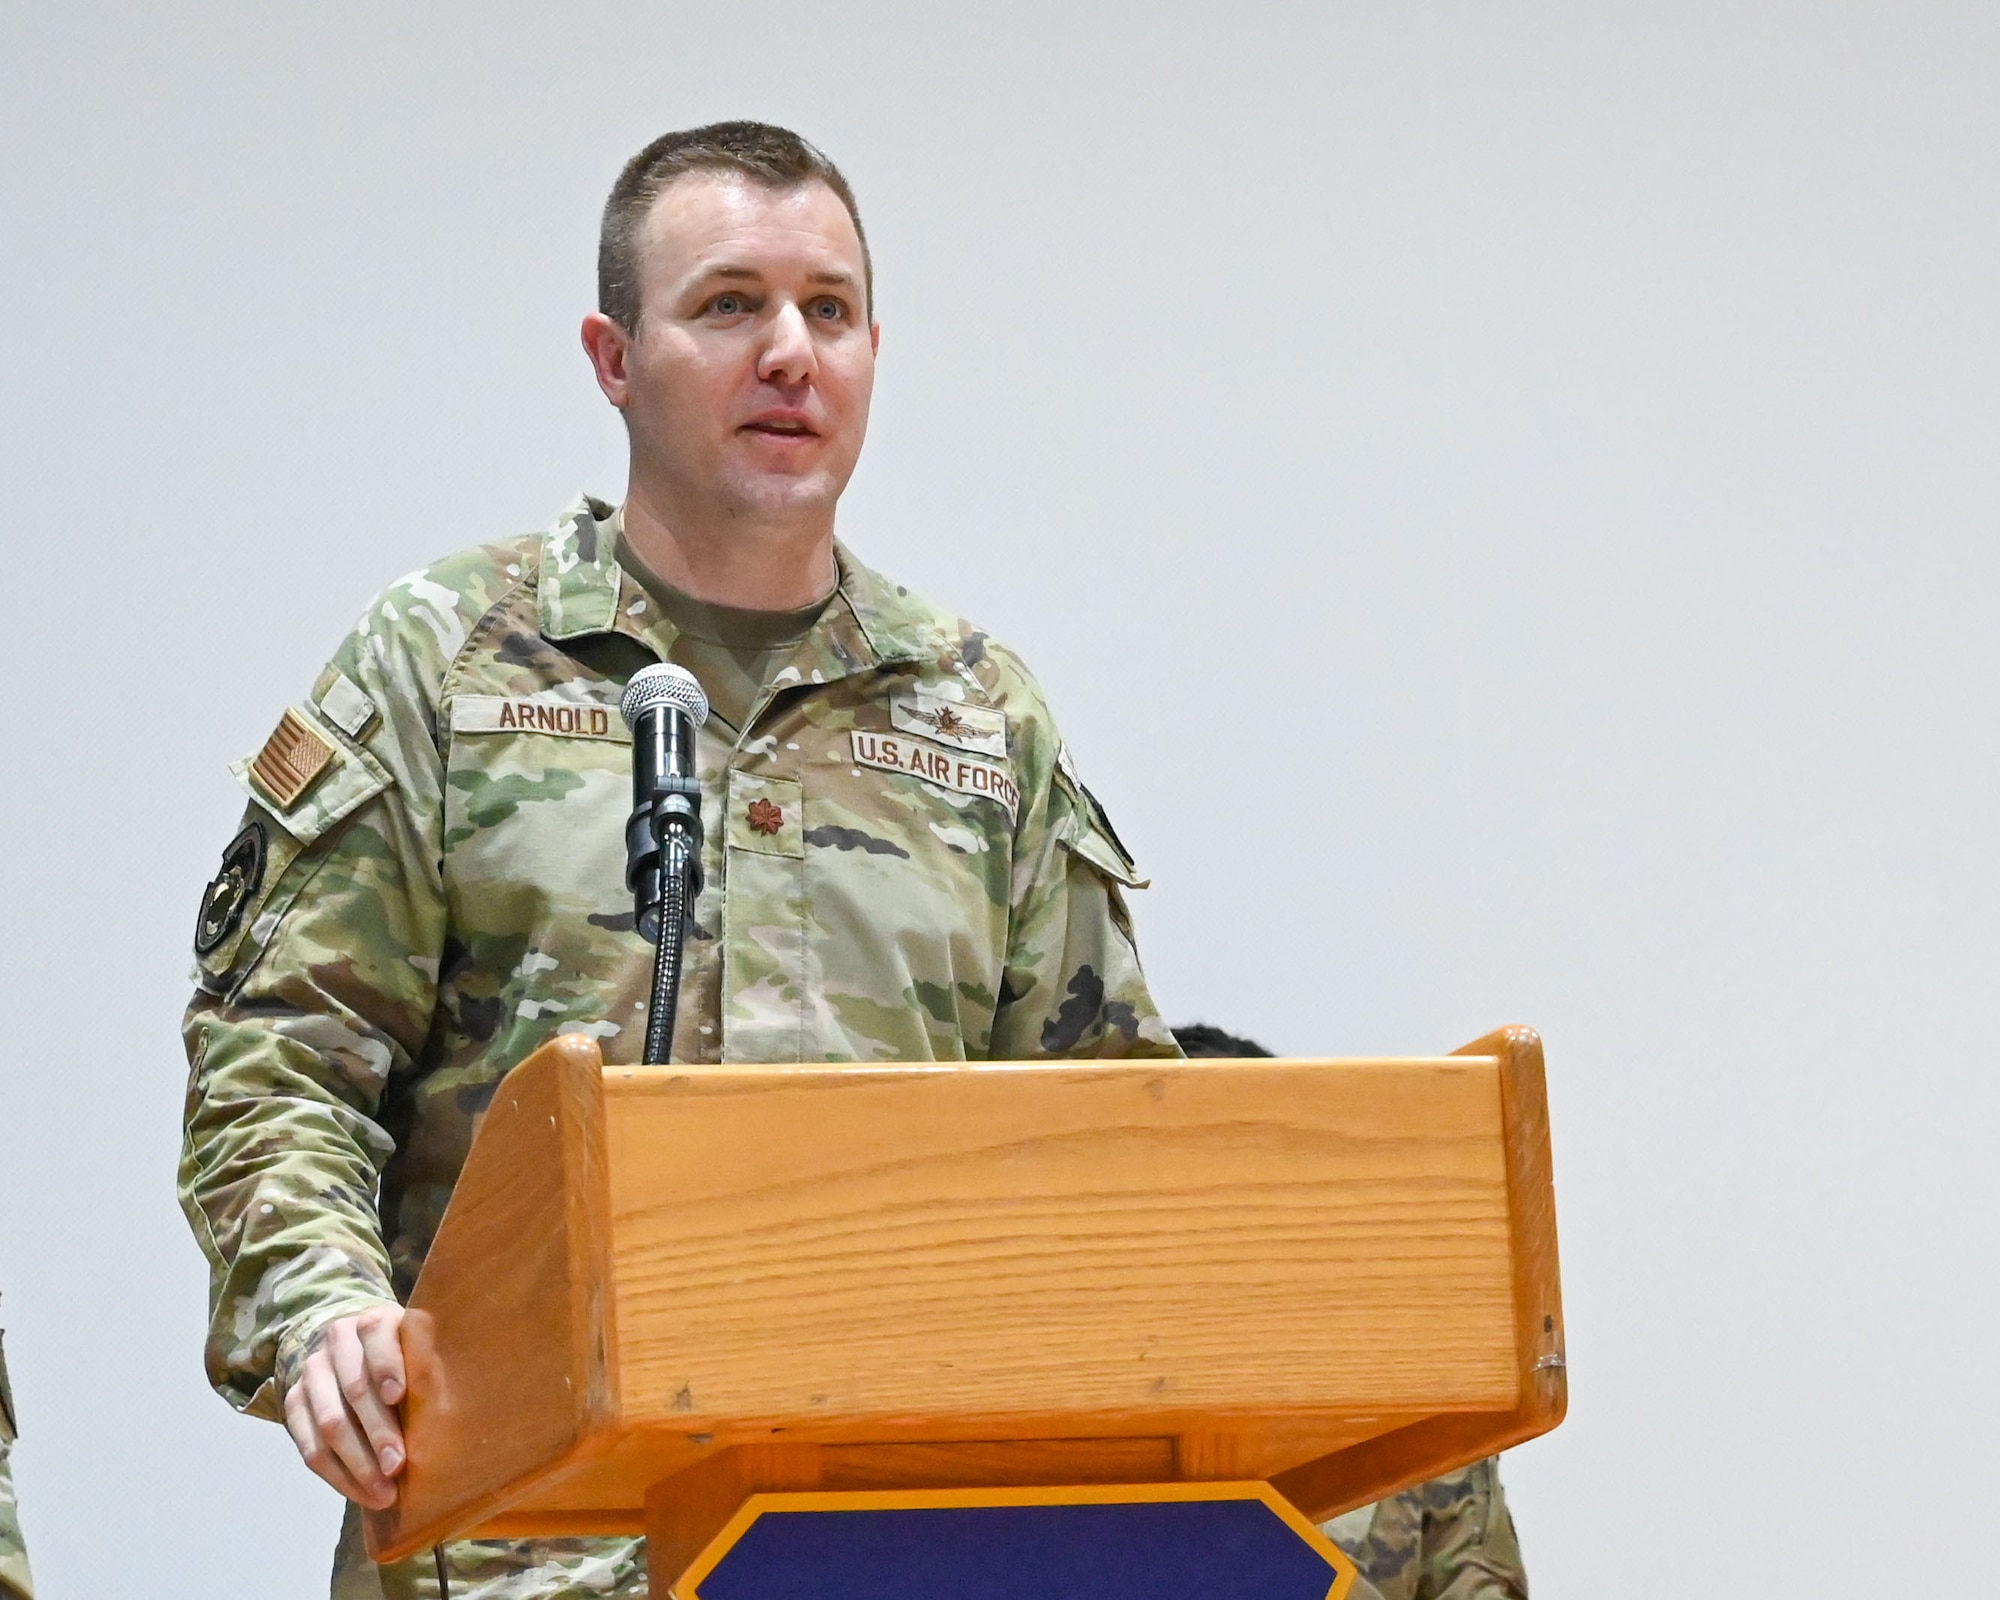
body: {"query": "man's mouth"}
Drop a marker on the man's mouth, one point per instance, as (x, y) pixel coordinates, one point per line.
(781, 427)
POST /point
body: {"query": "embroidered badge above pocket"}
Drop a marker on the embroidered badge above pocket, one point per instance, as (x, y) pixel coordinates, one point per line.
(979, 729)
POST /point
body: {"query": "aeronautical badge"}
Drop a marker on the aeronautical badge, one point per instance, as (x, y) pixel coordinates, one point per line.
(980, 729)
(292, 761)
(222, 902)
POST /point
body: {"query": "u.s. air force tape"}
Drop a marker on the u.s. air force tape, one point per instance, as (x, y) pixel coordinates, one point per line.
(946, 768)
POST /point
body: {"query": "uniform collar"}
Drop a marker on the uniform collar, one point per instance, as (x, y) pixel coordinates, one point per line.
(870, 622)
(580, 580)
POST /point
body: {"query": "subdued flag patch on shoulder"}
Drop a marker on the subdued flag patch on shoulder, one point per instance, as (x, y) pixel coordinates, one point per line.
(570, 719)
(980, 729)
(946, 768)
(293, 759)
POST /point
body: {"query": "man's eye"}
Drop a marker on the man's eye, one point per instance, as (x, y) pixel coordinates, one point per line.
(829, 310)
(728, 305)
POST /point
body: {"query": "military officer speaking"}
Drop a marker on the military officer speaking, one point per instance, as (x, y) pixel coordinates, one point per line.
(427, 882)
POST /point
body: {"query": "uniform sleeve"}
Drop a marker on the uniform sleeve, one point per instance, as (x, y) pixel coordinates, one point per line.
(1449, 1539)
(15, 1581)
(317, 964)
(1469, 1548)
(1073, 984)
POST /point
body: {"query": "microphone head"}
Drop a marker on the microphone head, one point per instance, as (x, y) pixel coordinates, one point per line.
(663, 684)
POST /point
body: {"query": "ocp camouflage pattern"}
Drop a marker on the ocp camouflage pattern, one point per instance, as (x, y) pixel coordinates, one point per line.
(494, 1569)
(15, 1581)
(449, 894)
(1449, 1539)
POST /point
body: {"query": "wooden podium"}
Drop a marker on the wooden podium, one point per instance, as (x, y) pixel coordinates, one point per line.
(659, 1291)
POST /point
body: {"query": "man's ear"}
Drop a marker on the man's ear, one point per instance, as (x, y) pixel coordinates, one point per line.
(608, 345)
(875, 337)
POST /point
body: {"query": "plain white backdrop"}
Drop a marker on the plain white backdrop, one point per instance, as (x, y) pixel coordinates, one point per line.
(1502, 496)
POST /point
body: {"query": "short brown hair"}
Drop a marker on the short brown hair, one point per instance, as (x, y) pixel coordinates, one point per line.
(774, 157)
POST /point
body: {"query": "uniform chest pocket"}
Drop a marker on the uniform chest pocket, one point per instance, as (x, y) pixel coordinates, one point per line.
(911, 864)
(536, 779)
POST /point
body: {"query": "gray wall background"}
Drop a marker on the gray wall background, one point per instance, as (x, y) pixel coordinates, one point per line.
(1502, 496)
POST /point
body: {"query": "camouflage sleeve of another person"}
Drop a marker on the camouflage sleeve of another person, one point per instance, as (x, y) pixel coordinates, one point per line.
(1449, 1539)
(317, 966)
(1470, 1551)
(15, 1582)
(1072, 984)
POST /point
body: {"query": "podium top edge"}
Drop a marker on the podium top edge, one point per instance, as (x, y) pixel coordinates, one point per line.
(1121, 1067)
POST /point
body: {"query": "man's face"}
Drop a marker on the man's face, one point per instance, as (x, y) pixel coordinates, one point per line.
(746, 385)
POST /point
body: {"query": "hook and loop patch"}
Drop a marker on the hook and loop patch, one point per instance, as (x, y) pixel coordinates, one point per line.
(234, 884)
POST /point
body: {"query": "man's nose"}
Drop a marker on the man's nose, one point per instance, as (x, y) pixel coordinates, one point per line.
(789, 355)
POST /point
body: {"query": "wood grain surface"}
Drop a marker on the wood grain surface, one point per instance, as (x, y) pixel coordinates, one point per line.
(1334, 1275)
(1422, 1449)
(506, 1344)
(808, 1243)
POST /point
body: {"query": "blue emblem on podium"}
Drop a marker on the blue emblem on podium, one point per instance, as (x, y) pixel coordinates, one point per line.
(1176, 1541)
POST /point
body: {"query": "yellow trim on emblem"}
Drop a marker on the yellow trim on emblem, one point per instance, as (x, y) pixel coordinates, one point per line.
(1088, 1494)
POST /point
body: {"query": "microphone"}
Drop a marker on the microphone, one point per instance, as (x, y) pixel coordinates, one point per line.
(664, 707)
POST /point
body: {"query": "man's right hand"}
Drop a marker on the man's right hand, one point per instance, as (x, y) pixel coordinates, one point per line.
(341, 1411)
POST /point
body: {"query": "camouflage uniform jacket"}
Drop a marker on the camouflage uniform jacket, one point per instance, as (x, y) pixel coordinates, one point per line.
(1449, 1539)
(899, 865)
(15, 1583)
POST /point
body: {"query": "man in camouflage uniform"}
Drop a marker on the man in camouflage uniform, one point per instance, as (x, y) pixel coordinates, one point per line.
(15, 1583)
(428, 882)
(1449, 1539)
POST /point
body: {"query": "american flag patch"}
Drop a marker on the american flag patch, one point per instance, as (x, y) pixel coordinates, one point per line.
(292, 760)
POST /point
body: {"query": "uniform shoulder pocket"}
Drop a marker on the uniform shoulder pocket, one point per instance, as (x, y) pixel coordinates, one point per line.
(310, 775)
(307, 779)
(1089, 835)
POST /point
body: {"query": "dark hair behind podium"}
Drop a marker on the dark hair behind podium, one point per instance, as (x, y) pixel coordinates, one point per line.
(1198, 1039)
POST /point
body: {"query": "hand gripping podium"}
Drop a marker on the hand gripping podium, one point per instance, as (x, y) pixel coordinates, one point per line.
(721, 1304)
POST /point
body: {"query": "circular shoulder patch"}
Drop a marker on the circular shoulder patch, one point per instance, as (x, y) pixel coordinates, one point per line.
(222, 902)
